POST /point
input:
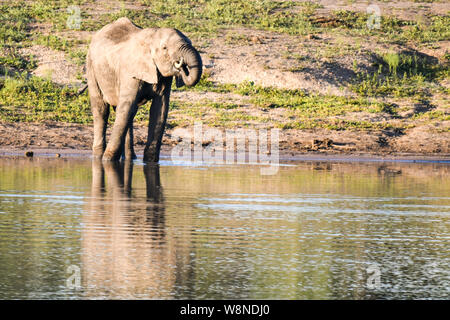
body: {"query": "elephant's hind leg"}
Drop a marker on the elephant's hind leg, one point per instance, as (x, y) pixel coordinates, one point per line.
(100, 112)
(129, 153)
(116, 144)
(125, 111)
(128, 147)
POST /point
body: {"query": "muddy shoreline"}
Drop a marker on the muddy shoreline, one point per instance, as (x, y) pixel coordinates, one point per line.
(284, 156)
(70, 140)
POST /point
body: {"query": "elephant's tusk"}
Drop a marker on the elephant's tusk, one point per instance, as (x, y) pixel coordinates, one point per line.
(178, 64)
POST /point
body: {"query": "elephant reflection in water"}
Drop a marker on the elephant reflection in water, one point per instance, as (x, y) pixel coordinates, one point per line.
(126, 250)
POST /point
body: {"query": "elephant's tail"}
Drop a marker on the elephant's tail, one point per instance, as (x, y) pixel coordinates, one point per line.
(82, 90)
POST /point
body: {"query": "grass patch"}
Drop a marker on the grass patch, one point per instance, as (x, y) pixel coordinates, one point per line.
(207, 17)
(310, 104)
(34, 99)
(301, 110)
(392, 29)
(15, 32)
(402, 75)
(53, 42)
(11, 58)
(433, 115)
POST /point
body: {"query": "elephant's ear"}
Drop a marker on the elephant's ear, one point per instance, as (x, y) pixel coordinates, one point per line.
(146, 72)
(179, 81)
(144, 69)
(139, 63)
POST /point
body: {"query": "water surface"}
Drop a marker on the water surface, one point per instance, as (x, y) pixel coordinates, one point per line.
(315, 230)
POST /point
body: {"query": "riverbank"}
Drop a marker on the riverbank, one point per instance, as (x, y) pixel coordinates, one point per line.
(74, 139)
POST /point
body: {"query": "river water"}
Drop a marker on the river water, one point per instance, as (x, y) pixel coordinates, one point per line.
(73, 228)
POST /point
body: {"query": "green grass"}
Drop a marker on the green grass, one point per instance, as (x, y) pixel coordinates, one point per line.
(392, 29)
(313, 104)
(34, 99)
(301, 110)
(433, 115)
(291, 17)
(402, 75)
(10, 58)
(15, 31)
(207, 17)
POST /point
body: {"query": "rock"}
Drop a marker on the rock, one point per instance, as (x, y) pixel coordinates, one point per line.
(29, 154)
(321, 144)
(312, 37)
(256, 40)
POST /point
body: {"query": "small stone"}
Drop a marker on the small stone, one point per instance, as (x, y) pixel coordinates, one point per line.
(312, 37)
(256, 40)
(57, 155)
(321, 144)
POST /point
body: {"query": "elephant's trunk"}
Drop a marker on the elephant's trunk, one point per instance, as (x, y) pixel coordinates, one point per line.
(192, 66)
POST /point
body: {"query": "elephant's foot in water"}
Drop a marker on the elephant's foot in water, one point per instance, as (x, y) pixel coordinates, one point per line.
(111, 155)
(151, 154)
(97, 153)
(129, 155)
(128, 150)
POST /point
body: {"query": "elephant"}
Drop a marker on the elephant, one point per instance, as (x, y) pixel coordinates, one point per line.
(126, 66)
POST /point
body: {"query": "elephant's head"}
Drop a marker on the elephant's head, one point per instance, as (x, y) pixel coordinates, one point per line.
(168, 51)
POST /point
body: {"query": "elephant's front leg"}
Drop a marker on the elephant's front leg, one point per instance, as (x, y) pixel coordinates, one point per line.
(157, 123)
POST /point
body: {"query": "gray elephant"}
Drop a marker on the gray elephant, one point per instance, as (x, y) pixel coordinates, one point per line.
(126, 67)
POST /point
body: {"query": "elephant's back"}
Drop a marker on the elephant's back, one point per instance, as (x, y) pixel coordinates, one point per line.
(116, 32)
